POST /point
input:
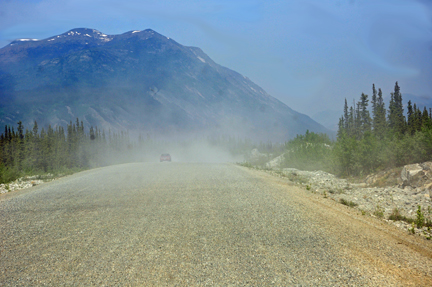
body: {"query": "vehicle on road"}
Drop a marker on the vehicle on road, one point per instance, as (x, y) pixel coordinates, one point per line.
(165, 157)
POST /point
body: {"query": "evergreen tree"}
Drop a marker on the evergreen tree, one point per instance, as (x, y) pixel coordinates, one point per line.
(358, 122)
(396, 116)
(426, 121)
(341, 127)
(410, 119)
(20, 145)
(345, 118)
(417, 119)
(380, 122)
(351, 122)
(374, 103)
(365, 119)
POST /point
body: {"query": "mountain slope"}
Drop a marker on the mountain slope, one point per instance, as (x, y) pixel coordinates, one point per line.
(140, 81)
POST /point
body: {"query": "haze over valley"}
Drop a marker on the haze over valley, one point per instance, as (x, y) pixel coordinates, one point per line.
(216, 143)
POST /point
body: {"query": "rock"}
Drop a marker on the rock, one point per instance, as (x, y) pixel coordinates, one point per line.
(371, 179)
(256, 158)
(255, 153)
(276, 162)
(427, 166)
(399, 181)
(20, 183)
(427, 188)
(383, 198)
(409, 172)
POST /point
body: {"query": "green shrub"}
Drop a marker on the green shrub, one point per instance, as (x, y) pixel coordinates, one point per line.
(9, 174)
(348, 203)
(420, 220)
(245, 164)
(397, 216)
(379, 212)
(412, 229)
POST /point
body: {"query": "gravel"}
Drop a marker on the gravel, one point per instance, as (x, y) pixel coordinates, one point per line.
(192, 224)
(373, 201)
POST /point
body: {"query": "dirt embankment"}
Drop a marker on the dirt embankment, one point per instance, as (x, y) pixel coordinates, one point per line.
(399, 196)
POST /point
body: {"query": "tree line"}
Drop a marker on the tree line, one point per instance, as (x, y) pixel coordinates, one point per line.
(55, 150)
(371, 137)
(62, 150)
(388, 137)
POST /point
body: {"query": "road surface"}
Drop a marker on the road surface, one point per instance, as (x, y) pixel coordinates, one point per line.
(196, 224)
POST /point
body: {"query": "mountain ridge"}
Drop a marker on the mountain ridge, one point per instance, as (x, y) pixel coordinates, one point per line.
(165, 87)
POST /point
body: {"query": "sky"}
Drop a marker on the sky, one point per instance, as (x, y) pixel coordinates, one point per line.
(309, 54)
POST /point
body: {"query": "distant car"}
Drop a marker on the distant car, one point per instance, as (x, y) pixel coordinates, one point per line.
(165, 157)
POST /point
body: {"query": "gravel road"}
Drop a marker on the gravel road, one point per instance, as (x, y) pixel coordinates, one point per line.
(195, 224)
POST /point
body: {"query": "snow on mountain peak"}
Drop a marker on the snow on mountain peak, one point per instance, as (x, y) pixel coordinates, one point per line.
(26, 40)
(86, 32)
(23, 41)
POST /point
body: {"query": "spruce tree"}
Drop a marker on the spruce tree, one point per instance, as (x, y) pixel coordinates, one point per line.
(426, 122)
(396, 117)
(374, 103)
(416, 119)
(346, 116)
(341, 127)
(400, 118)
(20, 144)
(410, 118)
(380, 123)
(365, 120)
(351, 120)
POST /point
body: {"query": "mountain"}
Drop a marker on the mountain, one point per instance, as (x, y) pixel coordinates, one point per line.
(421, 102)
(328, 118)
(141, 81)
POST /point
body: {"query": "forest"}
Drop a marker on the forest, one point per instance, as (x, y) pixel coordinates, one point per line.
(55, 150)
(59, 150)
(371, 137)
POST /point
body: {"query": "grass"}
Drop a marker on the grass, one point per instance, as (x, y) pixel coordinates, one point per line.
(296, 178)
(348, 203)
(379, 212)
(396, 215)
(419, 221)
(336, 191)
(245, 164)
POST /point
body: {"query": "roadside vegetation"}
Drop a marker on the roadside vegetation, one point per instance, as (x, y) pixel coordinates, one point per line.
(61, 151)
(371, 137)
(56, 151)
(387, 139)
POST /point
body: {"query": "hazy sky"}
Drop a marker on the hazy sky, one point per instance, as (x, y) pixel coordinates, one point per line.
(308, 54)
